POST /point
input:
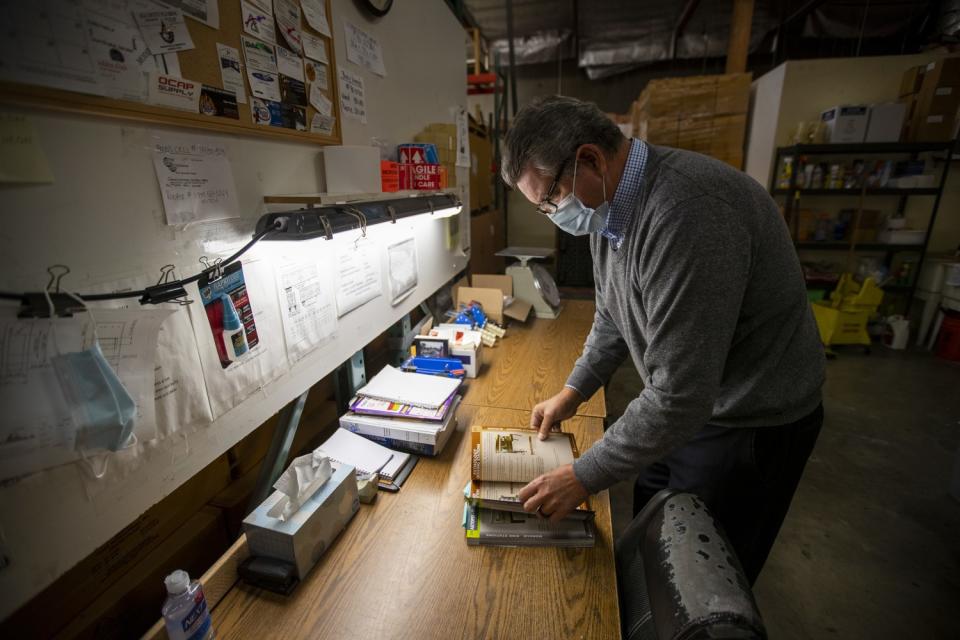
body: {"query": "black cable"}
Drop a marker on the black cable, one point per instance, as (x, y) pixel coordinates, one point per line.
(277, 226)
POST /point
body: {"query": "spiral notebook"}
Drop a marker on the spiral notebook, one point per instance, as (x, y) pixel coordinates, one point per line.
(366, 456)
(417, 389)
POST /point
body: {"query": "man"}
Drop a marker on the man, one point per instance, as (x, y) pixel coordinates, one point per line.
(698, 282)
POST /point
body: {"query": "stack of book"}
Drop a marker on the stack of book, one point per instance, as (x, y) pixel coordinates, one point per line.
(405, 411)
(502, 462)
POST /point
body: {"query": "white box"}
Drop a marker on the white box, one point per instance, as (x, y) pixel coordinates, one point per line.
(886, 122)
(468, 350)
(303, 538)
(846, 123)
(352, 169)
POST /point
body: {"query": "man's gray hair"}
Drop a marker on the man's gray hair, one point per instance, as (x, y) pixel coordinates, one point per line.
(547, 132)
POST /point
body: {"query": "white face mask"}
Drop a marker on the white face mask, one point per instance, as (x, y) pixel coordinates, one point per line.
(576, 218)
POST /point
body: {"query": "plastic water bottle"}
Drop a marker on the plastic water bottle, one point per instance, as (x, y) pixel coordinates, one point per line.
(185, 611)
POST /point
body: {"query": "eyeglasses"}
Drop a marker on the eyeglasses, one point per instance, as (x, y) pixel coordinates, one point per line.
(547, 206)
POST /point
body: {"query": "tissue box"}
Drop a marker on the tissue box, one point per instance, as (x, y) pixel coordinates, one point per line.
(303, 538)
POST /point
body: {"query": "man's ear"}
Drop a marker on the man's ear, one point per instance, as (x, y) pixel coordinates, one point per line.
(592, 156)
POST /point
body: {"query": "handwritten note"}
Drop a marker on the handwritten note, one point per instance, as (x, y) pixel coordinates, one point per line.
(195, 179)
(21, 158)
(353, 101)
(364, 49)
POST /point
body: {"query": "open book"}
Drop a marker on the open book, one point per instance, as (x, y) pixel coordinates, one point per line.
(504, 460)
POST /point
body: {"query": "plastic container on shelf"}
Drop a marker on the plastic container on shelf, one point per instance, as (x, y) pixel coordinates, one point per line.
(948, 343)
(185, 611)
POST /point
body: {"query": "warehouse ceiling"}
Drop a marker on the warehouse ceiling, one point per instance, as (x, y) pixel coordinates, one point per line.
(608, 36)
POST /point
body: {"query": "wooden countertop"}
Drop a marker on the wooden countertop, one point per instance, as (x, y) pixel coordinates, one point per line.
(402, 568)
(533, 361)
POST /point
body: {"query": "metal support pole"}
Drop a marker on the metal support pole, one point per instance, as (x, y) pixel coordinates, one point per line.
(512, 59)
(279, 450)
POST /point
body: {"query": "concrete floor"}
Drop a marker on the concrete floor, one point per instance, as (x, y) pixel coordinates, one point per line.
(871, 545)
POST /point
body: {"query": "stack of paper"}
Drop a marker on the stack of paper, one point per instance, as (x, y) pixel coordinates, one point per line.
(407, 411)
(369, 457)
(502, 461)
(393, 385)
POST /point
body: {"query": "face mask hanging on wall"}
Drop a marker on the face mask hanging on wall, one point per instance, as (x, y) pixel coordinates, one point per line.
(102, 409)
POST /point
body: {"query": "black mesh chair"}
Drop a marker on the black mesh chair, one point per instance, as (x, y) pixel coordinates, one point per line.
(679, 578)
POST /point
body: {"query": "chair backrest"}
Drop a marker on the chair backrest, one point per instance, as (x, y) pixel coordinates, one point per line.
(679, 577)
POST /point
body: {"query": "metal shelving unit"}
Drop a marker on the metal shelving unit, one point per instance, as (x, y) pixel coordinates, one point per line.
(913, 150)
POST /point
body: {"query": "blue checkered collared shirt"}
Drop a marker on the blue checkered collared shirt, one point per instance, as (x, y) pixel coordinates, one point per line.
(625, 199)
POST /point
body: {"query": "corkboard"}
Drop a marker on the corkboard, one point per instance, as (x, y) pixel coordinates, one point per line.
(200, 64)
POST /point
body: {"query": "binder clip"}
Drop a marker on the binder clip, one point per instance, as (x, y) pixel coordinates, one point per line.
(167, 289)
(37, 304)
(212, 271)
(361, 219)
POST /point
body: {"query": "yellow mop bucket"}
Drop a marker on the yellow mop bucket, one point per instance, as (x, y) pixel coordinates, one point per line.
(843, 318)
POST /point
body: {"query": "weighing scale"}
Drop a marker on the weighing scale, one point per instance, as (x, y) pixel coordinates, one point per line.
(532, 282)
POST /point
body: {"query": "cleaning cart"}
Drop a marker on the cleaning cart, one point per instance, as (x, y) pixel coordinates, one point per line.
(842, 319)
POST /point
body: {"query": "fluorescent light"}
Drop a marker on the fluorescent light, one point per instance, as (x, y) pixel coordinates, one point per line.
(447, 212)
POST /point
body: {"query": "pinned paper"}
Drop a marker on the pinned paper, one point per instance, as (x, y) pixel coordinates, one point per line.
(314, 47)
(174, 92)
(358, 275)
(315, 13)
(299, 482)
(231, 71)
(319, 101)
(257, 22)
(364, 49)
(287, 13)
(21, 158)
(322, 124)
(317, 73)
(164, 30)
(289, 63)
(196, 182)
(353, 100)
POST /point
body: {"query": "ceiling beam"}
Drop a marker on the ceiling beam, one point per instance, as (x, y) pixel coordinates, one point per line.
(738, 45)
(685, 15)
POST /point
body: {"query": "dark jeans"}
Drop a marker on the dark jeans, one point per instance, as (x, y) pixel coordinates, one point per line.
(746, 476)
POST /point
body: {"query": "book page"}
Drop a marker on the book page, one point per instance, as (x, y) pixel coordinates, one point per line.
(518, 455)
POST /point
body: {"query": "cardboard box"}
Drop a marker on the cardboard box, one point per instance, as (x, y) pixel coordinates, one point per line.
(886, 122)
(661, 130)
(911, 80)
(845, 123)
(934, 116)
(944, 72)
(418, 153)
(423, 177)
(733, 93)
(389, 176)
(308, 533)
(518, 309)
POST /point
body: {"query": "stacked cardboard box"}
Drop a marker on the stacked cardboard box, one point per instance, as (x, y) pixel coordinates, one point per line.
(932, 95)
(707, 114)
(444, 136)
(481, 170)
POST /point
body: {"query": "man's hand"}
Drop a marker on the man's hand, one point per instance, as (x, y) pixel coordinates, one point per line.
(555, 494)
(552, 410)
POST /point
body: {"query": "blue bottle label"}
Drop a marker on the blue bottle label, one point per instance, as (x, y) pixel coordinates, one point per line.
(196, 624)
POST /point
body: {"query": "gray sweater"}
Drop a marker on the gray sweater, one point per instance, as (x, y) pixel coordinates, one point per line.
(707, 296)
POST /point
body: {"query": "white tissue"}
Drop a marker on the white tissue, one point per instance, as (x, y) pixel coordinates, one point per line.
(300, 481)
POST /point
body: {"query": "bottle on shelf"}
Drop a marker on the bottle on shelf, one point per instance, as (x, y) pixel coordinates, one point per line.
(185, 612)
